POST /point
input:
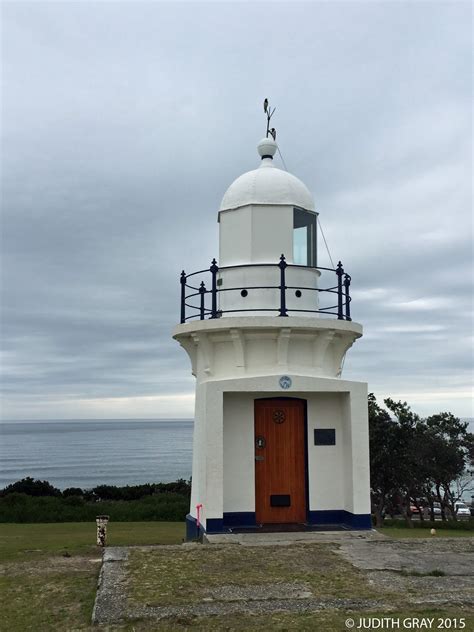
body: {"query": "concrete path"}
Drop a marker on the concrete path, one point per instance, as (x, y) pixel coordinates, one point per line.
(436, 572)
(110, 600)
(294, 537)
(449, 556)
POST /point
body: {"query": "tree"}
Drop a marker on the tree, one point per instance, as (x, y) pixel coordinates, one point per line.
(383, 457)
(413, 459)
(452, 447)
(410, 473)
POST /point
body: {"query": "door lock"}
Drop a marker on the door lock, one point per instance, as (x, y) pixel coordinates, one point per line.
(260, 442)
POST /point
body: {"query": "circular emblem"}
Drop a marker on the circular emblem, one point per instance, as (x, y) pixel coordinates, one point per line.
(285, 381)
(279, 416)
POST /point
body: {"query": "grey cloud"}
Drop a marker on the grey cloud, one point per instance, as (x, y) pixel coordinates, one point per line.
(125, 123)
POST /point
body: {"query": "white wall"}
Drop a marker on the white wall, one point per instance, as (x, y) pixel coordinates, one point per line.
(330, 468)
(326, 462)
(261, 234)
(255, 234)
(356, 414)
(272, 233)
(347, 455)
(235, 237)
(223, 460)
(230, 347)
(239, 452)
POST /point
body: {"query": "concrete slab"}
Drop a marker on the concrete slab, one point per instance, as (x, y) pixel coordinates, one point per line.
(452, 557)
(283, 590)
(109, 605)
(405, 567)
(115, 554)
(288, 538)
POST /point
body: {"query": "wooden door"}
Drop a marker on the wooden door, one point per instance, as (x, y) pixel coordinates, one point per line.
(280, 478)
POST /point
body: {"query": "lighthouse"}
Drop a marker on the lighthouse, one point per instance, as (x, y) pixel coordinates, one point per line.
(280, 438)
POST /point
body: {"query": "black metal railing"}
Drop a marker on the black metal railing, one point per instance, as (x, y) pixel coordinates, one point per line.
(200, 294)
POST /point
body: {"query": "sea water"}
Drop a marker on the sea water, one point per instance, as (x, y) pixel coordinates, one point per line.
(88, 453)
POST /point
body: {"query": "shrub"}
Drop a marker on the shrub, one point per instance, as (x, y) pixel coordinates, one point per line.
(23, 508)
(31, 487)
(28, 501)
(73, 491)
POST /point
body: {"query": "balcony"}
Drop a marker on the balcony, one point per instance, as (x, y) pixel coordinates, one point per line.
(205, 294)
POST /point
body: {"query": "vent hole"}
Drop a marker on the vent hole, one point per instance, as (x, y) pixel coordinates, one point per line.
(244, 293)
(298, 293)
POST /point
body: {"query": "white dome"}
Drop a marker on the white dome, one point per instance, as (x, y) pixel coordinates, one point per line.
(267, 185)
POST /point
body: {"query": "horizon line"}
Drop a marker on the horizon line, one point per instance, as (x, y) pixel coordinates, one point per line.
(98, 419)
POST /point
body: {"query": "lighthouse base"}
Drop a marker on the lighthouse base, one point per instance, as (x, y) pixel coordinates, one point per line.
(244, 522)
(293, 458)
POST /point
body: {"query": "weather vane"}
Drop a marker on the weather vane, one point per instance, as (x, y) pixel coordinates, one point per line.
(269, 112)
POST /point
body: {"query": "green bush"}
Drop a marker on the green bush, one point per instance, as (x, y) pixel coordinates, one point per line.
(31, 487)
(73, 491)
(134, 492)
(22, 508)
(31, 500)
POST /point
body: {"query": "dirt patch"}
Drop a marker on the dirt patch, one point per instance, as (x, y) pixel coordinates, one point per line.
(50, 566)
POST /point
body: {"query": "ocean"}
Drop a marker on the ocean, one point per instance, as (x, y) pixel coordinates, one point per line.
(88, 453)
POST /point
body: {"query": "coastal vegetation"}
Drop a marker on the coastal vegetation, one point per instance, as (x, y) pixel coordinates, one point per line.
(418, 466)
(36, 501)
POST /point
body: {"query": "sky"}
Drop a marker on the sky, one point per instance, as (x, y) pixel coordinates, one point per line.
(124, 123)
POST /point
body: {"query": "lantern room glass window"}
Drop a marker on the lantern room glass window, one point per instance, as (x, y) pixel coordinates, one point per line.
(304, 237)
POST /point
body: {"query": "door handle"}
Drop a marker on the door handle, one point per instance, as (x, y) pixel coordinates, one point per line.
(259, 458)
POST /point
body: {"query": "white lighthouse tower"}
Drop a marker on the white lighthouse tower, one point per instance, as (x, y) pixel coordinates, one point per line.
(280, 438)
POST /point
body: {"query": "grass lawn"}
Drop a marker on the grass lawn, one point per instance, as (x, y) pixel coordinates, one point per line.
(158, 578)
(48, 572)
(401, 533)
(48, 578)
(31, 541)
(323, 621)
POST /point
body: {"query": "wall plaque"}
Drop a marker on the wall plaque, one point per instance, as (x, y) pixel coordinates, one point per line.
(325, 436)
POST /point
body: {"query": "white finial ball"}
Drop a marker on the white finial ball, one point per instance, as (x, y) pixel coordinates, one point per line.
(267, 147)
(433, 531)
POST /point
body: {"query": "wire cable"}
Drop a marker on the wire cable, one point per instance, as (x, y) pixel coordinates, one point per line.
(326, 243)
(282, 158)
(319, 221)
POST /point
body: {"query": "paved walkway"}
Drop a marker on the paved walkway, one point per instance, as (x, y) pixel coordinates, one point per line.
(437, 572)
(294, 537)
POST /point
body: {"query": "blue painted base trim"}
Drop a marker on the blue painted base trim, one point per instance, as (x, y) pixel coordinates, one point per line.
(246, 519)
(241, 519)
(214, 525)
(361, 521)
(340, 517)
(192, 531)
(231, 520)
